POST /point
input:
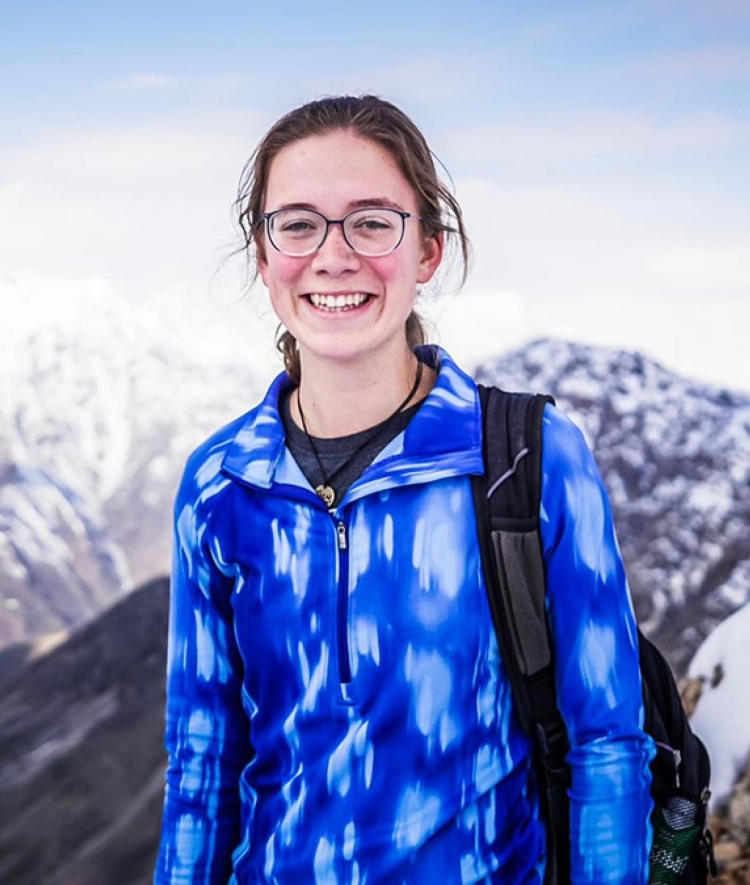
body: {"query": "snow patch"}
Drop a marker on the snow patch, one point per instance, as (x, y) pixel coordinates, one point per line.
(722, 715)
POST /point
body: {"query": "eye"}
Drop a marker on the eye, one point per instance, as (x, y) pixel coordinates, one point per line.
(296, 223)
(373, 220)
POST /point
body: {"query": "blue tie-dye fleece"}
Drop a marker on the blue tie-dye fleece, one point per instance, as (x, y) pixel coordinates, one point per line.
(337, 710)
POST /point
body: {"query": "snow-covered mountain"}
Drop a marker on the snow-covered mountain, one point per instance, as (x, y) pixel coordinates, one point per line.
(101, 402)
(99, 405)
(675, 456)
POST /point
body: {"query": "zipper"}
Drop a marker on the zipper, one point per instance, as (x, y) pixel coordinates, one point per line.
(341, 535)
(342, 613)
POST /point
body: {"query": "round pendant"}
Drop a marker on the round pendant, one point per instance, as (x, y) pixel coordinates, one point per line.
(326, 493)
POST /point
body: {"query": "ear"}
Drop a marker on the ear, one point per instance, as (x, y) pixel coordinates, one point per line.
(432, 255)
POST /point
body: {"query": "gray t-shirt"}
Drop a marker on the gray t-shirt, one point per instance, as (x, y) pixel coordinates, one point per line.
(335, 453)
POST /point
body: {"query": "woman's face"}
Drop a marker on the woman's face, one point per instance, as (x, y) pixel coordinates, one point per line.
(334, 174)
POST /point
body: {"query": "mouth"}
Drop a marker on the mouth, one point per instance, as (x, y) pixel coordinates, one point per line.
(339, 302)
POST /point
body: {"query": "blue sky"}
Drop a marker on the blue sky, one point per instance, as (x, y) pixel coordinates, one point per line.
(600, 150)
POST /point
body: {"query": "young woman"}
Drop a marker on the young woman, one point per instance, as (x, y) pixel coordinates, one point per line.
(337, 708)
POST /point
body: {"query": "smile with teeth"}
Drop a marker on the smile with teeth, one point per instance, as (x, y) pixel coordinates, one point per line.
(338, 302)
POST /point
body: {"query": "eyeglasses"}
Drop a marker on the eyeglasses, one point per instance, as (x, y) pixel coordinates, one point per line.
(371, 232)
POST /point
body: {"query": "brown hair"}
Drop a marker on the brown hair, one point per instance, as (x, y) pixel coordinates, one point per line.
(379, 121)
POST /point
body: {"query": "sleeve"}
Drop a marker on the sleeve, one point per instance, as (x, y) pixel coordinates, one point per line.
(207, 730)
(596, 660)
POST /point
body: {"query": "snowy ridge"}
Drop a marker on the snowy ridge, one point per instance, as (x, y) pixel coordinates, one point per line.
(99, 406)
(675, 456)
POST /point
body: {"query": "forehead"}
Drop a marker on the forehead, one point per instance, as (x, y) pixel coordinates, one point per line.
(333, 171)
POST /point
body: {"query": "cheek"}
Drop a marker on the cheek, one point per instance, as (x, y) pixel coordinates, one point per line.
(281, 299)
(394, 268)
(279, 272)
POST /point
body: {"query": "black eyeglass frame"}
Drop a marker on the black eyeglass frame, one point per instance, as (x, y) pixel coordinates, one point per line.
(268, 217)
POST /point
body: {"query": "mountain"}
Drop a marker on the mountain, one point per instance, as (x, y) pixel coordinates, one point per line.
(100, 403)
(81, 757)
(675, 457)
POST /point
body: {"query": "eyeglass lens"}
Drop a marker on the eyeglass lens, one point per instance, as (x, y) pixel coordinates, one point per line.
(368, 231)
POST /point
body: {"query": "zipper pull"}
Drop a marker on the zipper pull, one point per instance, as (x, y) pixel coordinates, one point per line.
(341, 534)
(676, 760)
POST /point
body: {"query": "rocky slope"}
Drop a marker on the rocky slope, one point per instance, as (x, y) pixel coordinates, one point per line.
(675, 456)
(81, 758)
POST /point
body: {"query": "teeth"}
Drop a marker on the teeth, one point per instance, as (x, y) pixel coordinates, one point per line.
(338, 302)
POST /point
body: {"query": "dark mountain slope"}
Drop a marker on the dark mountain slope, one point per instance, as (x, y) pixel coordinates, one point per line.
(81, 759)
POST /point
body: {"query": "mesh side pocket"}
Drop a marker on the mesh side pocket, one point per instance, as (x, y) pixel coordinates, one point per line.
(677, 829)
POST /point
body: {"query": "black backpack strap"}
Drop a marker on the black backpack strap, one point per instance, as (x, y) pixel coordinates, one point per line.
(506, 501)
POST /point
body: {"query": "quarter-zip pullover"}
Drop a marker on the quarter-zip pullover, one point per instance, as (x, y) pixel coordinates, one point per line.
(337, 708)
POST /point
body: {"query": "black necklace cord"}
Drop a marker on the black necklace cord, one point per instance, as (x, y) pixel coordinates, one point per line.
(325, 490)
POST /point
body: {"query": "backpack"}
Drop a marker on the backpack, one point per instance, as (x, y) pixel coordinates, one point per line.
(506, 500)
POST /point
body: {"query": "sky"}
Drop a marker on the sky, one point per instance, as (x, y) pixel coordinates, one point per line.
(599, 150)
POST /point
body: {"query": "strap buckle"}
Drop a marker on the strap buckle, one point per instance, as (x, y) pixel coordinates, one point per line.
(551, 738)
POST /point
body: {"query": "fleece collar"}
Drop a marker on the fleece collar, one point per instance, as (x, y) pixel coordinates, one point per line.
(443, 439)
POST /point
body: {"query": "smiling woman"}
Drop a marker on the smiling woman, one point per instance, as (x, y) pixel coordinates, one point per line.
(343, 306)
(397, 161)
(337, 708)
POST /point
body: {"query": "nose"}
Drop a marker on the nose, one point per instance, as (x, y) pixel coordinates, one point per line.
(335, 255)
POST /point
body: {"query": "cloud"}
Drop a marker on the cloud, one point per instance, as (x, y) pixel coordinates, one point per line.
(141, 206)
(628, 237)
(462, 325)
(620, 267)
(713, 262)
(580, 139)
(131, 154)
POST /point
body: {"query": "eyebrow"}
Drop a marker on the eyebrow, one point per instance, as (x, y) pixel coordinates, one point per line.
(369, 203)
(374, 202)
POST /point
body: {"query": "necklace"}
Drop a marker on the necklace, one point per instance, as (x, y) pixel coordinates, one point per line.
(325, 490)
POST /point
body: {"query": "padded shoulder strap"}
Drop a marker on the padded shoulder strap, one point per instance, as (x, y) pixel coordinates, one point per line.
(506, 500)
(512, 426)
(507, 506)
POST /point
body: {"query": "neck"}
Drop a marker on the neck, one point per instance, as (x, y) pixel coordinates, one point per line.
(347, 400)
